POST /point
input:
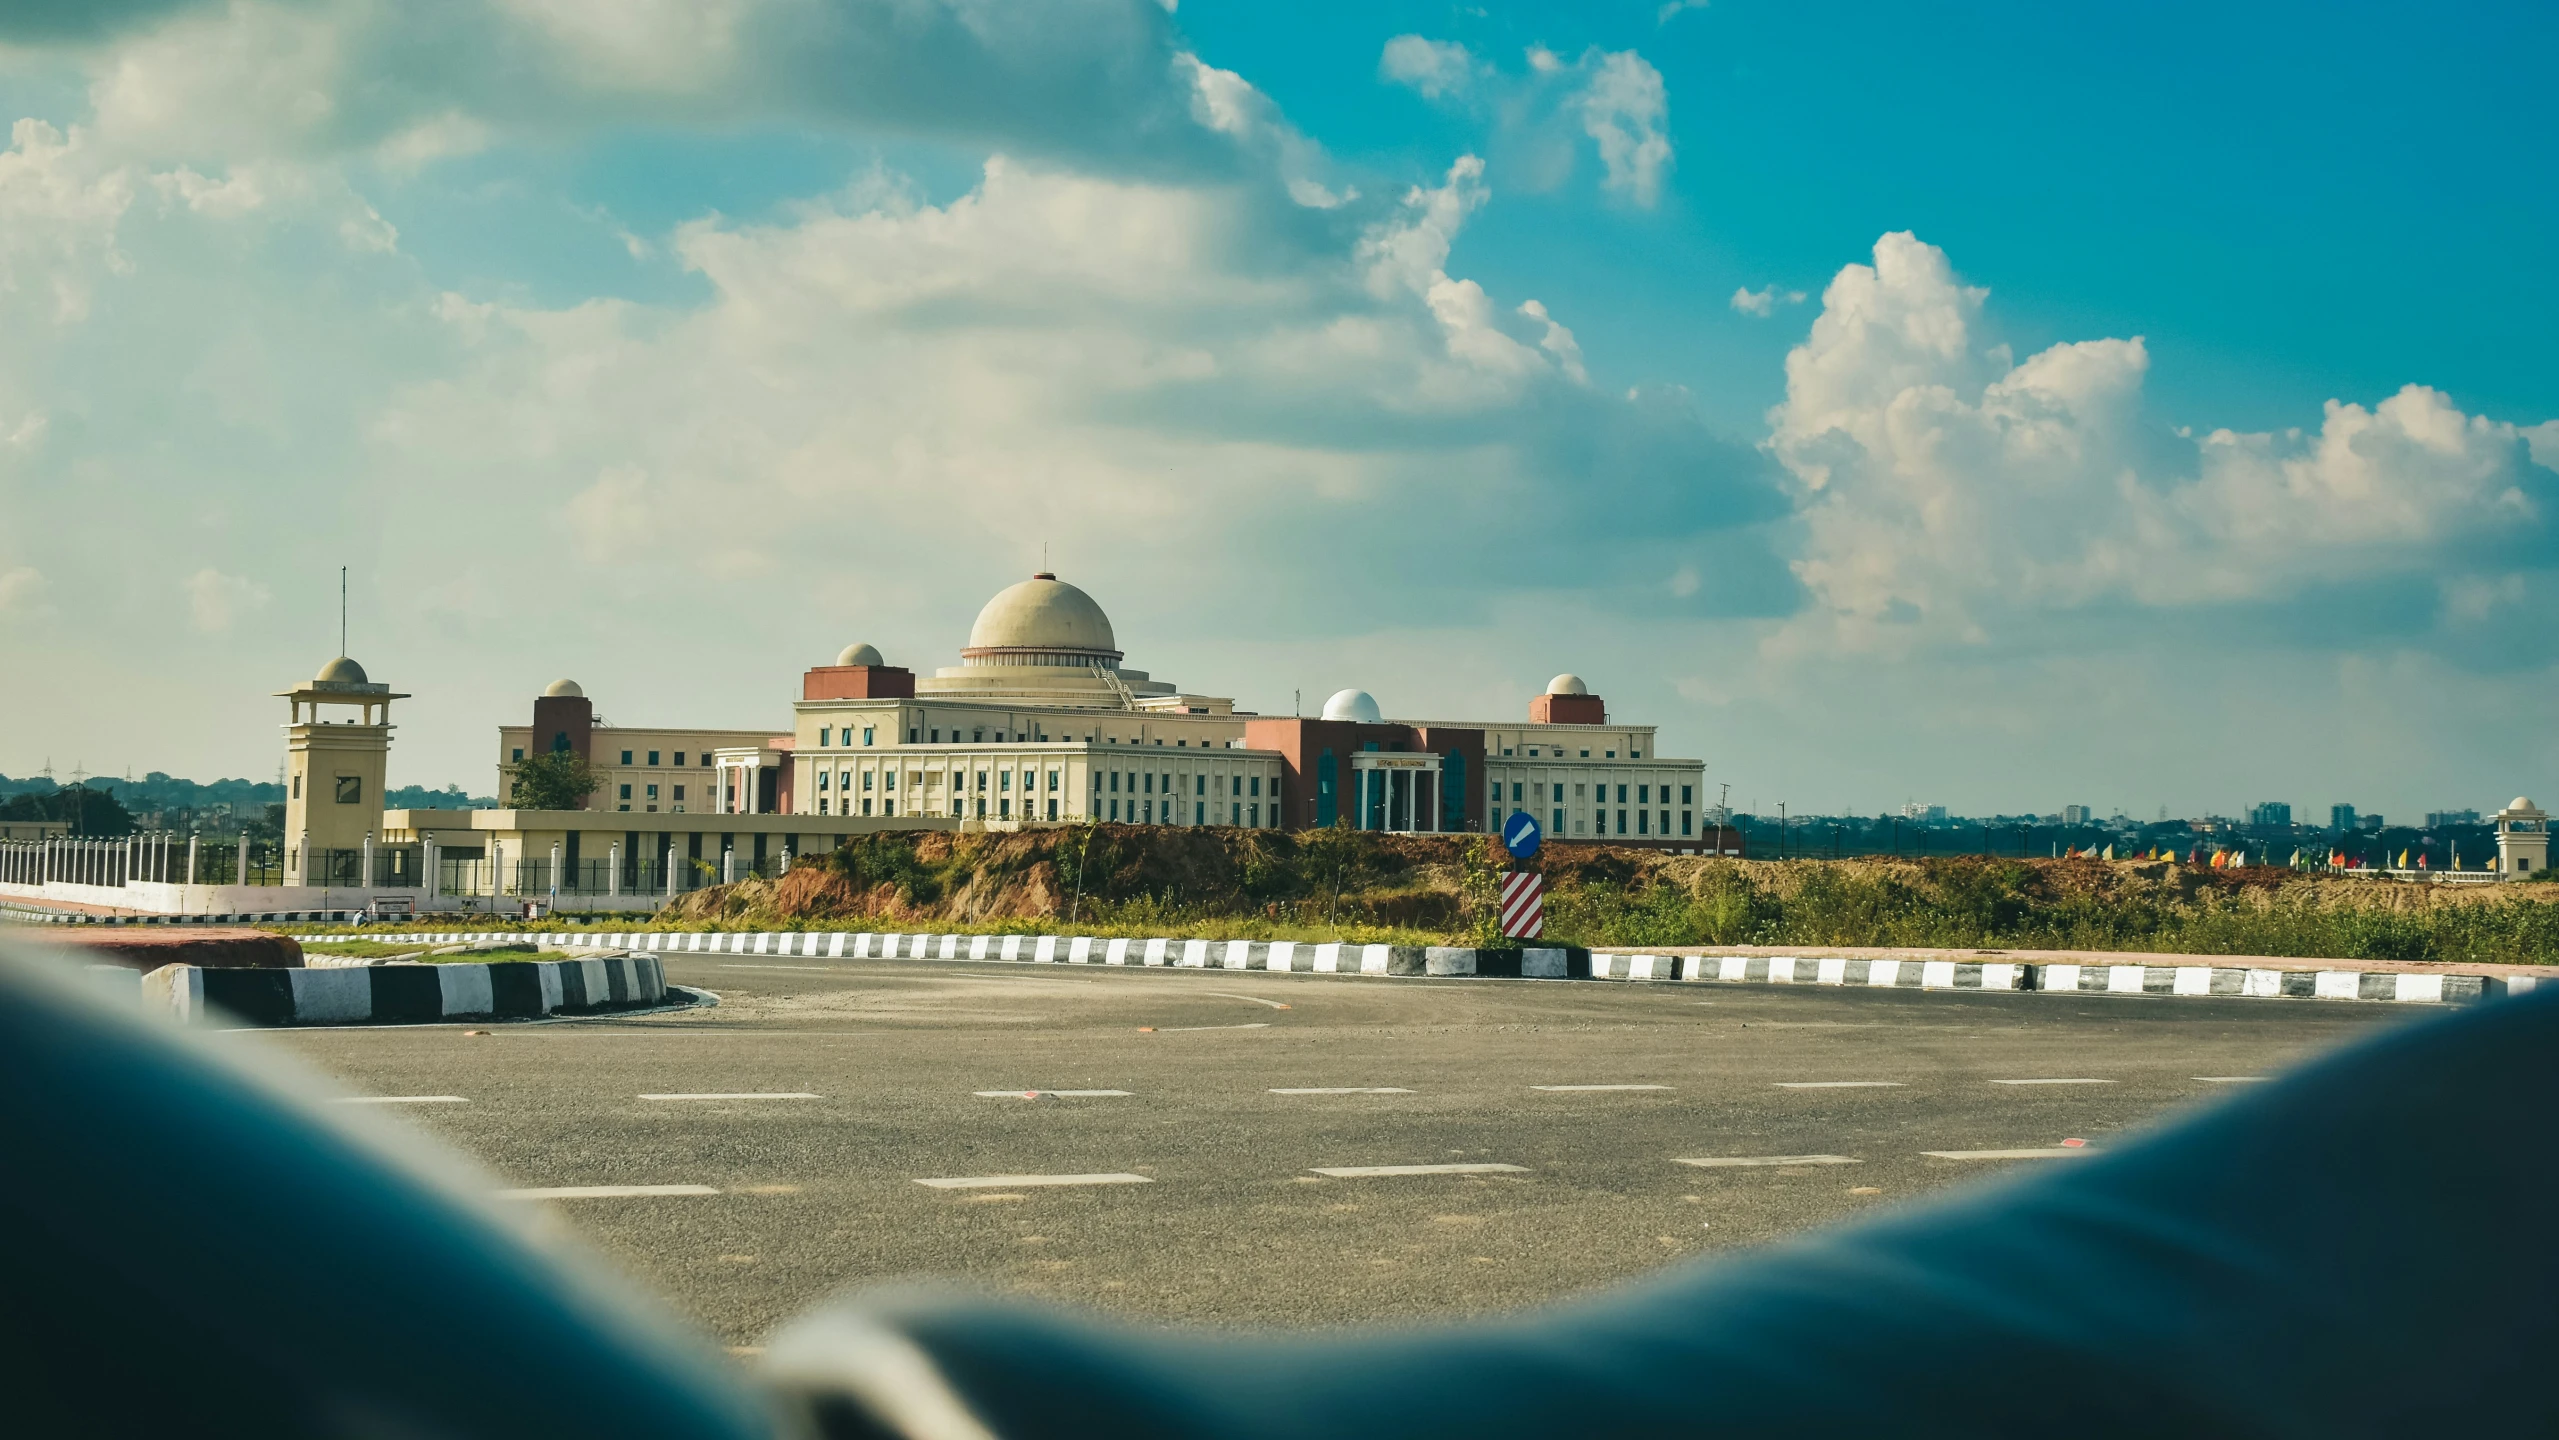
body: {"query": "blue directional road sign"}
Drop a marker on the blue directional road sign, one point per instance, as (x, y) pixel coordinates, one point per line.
(1520, 835)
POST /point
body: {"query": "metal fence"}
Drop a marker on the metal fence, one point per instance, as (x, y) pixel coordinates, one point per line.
(459, 872)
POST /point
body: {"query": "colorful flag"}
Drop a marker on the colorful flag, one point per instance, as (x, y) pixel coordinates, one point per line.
(2110, 853)
(2403, 859)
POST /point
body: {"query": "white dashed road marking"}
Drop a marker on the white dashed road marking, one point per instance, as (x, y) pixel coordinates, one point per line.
(1839, 1084)
(1034, 1094)
(1015, 1182)
(2052, 1082)
(403, 1100)
(1598, 1087)
(1718, 1162)
(2043, 1152)
(604, 1192)
(1361, 1172)
(742, 1095)
(1344, 1090)
(1256, 999)
(1256, 1025)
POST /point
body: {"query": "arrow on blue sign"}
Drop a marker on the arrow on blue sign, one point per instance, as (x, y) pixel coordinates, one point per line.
(1520, 835)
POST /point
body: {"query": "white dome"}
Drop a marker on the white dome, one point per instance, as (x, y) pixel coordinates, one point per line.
(340, 671)
(2522, 802)
(1567, 685)
(1357, 706)
(1046, 617)
(558, 688)
(860, 654)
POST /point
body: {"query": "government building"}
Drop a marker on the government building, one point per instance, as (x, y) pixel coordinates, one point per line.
(1043, 722)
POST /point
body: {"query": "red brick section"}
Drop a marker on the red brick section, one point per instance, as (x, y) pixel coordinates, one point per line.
(213, 947)
(858, 682)
(1568, 710)
(1301, 744)
(558, 715)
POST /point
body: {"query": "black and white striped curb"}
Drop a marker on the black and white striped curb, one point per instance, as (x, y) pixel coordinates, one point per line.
(1558, 963)
(33, 916)
(408, 994)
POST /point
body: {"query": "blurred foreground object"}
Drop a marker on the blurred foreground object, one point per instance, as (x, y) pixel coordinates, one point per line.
(191, 1250)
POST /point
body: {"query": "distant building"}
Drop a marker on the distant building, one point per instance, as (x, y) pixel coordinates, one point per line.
(2270, 815)
(1924, 814)
(2341, 818)
(2523, 838)
(2075, 815)
(2439, 819)
(2368, 822)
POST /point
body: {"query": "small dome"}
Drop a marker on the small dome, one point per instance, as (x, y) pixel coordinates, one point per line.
(1357, 706)
(340, 671)
(860, 654)
(1043, 613)
(1567, 685)
(559, 688)
(2522, 802)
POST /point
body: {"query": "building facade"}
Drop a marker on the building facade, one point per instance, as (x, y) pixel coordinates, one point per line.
(1042, 722)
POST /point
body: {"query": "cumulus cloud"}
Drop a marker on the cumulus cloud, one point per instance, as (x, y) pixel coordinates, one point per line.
(215, 601)
(1763, 302)
(1436, 68)
(1614, 99)
(1100, 80)
(59, 208)
(1952, 495)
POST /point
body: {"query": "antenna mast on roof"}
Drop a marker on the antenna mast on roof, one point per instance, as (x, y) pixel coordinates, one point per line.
(342, 609)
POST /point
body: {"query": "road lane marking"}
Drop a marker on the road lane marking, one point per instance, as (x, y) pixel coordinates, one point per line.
(1839, 1084)
(742, 1095)
(1015, 1182)
(1256, 999)
(604, 1192)
(1598, 1087)
(1717, 1162)
(2041, 1152)
(2052, 1082)
(786, 967)
(1344, 1090)
(1361, 1172)
(402, 1100)
(2233, 1079)
(1256, 1025)
(1034, 1094)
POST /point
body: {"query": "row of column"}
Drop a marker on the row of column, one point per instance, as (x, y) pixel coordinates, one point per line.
(152, 857)
(1382, 801)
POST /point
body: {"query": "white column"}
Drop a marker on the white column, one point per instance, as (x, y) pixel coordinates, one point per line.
(240, 876)
(427, 865)
(613, 869)
(497, 869)
(364, 879)
(728, 865)
(670, 867)
(194, 844)
(555, 877)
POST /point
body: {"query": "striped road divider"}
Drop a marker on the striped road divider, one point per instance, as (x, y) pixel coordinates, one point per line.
(408, 994)
(1531, 963)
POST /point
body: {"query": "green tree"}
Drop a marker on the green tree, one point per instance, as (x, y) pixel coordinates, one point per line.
(560, 780)
(90, 812)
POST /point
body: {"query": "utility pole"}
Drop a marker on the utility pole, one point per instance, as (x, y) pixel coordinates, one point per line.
(1781, 829)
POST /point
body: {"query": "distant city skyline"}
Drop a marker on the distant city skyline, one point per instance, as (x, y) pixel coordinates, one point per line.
(1900, 440)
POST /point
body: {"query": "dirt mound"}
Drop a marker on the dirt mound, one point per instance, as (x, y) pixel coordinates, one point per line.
(149, 949)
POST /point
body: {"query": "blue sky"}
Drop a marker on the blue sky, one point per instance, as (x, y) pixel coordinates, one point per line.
(1996, 405)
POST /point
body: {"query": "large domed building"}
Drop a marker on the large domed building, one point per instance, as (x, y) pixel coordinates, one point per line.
(1043, 721)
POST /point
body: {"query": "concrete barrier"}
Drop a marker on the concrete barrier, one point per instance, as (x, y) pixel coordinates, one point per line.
(407, 994)
(1544, 963)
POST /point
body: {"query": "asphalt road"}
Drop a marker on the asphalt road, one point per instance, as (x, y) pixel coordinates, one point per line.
(1232, 1223)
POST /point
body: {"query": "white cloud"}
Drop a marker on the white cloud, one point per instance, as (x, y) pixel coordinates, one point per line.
(215, 601)
(1950, 494)
(1623, 110)
(1763, 302)
(1436, 68)
(59, 208)
(1615, 99)
(1672, 9)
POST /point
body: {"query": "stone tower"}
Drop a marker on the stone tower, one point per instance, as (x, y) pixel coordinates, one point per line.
(334, 770)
